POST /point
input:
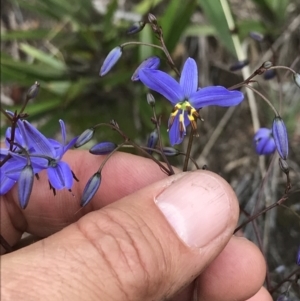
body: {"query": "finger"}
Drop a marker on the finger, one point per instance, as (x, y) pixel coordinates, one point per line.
(236, 274)
(46, 214)
(147, 246)
(261, 295)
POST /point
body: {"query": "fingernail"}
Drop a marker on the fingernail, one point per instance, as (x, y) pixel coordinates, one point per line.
(197, 206)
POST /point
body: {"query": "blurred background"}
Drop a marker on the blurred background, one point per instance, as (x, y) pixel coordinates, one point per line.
(62, 44)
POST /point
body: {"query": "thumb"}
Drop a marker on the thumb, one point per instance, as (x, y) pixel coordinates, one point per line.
(146, 246)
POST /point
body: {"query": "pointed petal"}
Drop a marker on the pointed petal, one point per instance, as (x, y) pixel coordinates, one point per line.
(264, 142)
(38, 141)
(90, 189)
(280, 137)
(162, 83)
(174, 132)
(60, 176)
(25, 184)
(189, 77)
(110, 60)
(5, 183)
(215, 96)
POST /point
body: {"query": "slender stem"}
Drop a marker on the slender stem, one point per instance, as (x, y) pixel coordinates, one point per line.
(264, 98)
(283, 67)
(253, 217)
(275, 288)
(192, 159)
(109, 156)
(142, 43)
(160, 142)
(188, 151)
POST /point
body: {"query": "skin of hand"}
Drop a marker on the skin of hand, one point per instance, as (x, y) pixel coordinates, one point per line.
(144, 236)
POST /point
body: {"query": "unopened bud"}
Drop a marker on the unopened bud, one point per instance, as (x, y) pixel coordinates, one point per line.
(103, 148)
(239, 65)
(170, 151)
(267, 64)
(284, 166)
(269, 74)
(25, 183)
(90, 189)
(150, 99)
(33, 91)
(136, 27)
(280, 137)
(298, 256)
(152, 140)
(85, 137)
(297, 79)
(111, 60)
(256, 36)
(114, 123)
(152, 19)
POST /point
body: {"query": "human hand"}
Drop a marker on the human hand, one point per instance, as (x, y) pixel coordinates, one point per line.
(123, 245)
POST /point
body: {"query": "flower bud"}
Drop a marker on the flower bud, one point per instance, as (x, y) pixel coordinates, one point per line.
(103, 148)
(297, 79)
(136, 27)
(280, 137)
(170, 151)
(267, 64)
(298, 256)
(114, 123)
(152, 140)
(256, 36)
(284, 166)
(269, 74)
(150, 99)
(239, 65)
(90, 189)
(25, 183)
(111, 60)
(151, 62)
(152, 19)
(33, 91)
(264, 142)
(85, 137)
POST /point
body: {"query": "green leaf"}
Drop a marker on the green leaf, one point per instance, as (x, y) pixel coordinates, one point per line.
(214, 13)
(34, 34)
(43, 57)
(175, 20)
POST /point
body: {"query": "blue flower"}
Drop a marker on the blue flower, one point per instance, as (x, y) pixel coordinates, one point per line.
(264, 142)
(59, 173)
(186, 98)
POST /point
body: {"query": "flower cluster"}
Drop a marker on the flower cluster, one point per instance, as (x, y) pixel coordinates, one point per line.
(28, 152)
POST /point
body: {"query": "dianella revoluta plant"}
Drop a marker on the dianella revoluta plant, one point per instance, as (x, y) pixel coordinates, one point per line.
(26, 151)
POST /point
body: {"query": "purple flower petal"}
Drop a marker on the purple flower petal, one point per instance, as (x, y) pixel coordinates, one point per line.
(6, 183)
(174, 132)
(60, 176)
(264, 142)
(215, 96)
(163, 84)
(280, 136)
(110, 60)
(40, 143)
(189, 77)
